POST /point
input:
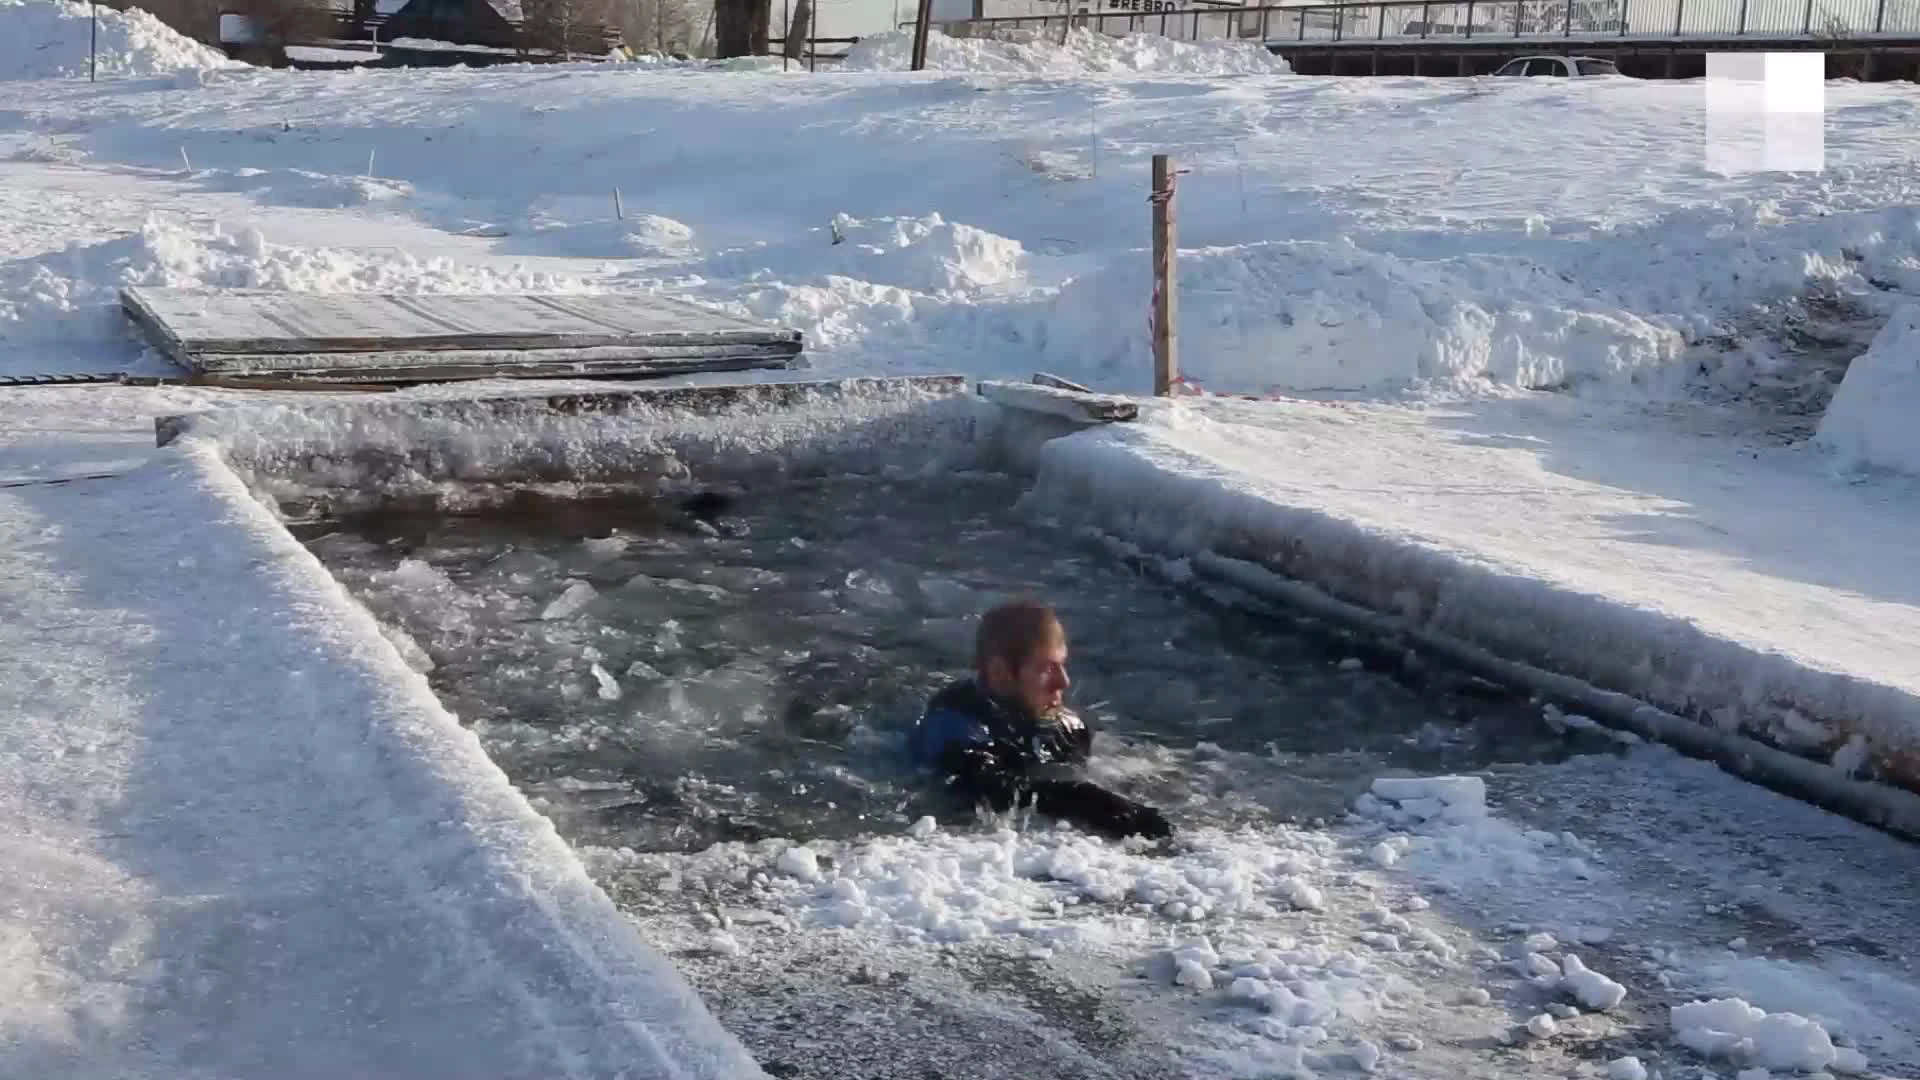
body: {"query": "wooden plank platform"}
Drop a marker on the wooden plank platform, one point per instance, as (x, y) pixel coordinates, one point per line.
(363, 337)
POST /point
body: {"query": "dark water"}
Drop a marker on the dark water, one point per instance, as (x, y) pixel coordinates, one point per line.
(752, 674)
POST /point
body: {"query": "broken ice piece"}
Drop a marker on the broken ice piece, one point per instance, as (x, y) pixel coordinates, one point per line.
(1535, 965)
(1405, 1043)
(1593, 989)
(1542, 1027)
(1541, 943)
(1475, 996)
(1626, 1068)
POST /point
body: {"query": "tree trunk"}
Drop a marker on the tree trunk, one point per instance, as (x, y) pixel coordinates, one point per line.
(801, 29)
(741, 26)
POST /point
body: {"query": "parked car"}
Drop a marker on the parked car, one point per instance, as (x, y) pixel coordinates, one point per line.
(1564, 66)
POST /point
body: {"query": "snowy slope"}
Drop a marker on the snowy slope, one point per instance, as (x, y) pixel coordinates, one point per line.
(1351, 234)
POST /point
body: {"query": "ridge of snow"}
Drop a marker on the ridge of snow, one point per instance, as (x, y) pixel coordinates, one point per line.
(1083, 53)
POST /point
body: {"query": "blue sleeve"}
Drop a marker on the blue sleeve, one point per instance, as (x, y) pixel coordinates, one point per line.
(942, 728)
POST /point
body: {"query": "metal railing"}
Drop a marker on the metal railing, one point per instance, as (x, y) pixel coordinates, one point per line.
(1403, 21)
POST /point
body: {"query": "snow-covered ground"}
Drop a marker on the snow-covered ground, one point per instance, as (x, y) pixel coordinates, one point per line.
(1546, 344)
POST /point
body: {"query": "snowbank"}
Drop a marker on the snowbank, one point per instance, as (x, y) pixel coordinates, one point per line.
(74, 294)
(1084, 53)
(1871, 419)
(49, 39)
(1180, 484)
(321, 863)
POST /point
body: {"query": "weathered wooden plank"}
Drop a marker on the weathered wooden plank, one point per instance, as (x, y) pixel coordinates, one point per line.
(251, 322)
(432, 367)
(694, 399)
(395, 359)
(1084, 408)
(1041, 378)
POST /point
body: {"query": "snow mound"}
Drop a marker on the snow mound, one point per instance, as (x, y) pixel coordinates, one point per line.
(1731, 1028)
(1869, 422)
(1083, 53)
(1442, 830)
(73, 294)
(49, 40)
(929, 255)
(301, 188)
(1285, 315)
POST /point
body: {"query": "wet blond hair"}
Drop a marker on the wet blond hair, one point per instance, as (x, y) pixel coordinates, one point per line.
(1012, 632)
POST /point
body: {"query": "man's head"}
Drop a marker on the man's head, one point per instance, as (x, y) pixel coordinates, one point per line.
(1020, 655)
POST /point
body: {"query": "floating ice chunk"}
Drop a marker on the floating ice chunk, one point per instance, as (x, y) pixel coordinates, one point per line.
(1245, 989)
(644, 671)
(1560, 1010)
(1848, 1062)
(609, 688)
(1475, 996)
(1593, 989)
(1450, 790)
(945, 596)
(1534, 965)
(571, 602)
(924, 828)
(1542, 1026)
(605, 547)
(1383, 854)
(799, 862)
(1190, 973)
(1732, 1028)
(1626, 1068)
(1352, 663)
(1405, 1043)
(1302, 895)
(1542, 943)
(1383, 942)
(1367, 1056)
(723, 943)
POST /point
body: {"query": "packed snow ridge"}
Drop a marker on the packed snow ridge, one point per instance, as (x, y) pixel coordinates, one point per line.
(1083, 53)
(1869, 422)
(49, 39)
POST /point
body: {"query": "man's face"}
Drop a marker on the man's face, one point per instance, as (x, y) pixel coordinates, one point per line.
(1040, 683)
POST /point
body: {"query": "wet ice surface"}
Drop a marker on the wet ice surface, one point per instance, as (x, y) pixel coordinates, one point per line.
(689, 701)
(660, 682)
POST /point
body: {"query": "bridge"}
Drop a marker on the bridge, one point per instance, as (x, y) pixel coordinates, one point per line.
(1864, 39)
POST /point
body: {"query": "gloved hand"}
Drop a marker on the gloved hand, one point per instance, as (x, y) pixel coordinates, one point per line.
(1096, 809)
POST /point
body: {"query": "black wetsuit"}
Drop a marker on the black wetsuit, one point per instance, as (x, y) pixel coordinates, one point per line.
(989, 751)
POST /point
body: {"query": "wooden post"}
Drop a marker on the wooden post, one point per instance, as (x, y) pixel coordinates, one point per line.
(1165, 365)
(922, 19)
(93, 42)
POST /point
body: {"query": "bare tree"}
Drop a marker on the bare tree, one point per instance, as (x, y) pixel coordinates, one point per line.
(799, 28)
(567, 27)
(741, 26)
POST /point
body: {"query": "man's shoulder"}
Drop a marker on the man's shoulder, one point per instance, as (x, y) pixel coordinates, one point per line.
(959, 696)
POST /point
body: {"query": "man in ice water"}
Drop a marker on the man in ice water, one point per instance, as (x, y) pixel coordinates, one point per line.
(1005, 736)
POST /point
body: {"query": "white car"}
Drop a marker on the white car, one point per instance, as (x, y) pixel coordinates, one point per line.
(1564, 66)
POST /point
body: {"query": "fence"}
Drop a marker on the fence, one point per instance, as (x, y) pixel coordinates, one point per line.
(1419, 20)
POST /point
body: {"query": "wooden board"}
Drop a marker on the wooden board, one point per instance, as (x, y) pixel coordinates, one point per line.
(393, 338)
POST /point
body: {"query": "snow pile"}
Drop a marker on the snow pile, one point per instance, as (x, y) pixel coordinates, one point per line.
(928, 255)
(49, 40)
(1334, 316)
(1870, 421)
(74, 293)
(938, 887)
(1732, 1029)
(1440, 827)
(1084, 53)
(303, 188)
